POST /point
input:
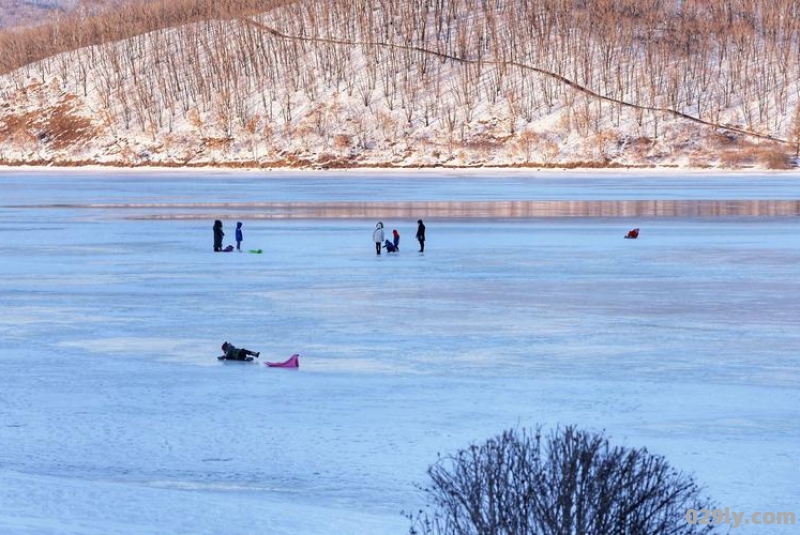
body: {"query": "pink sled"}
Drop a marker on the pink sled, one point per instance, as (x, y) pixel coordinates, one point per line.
(292, 362)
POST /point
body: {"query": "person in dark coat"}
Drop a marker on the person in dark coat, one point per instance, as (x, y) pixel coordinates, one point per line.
(218, 235)
(390, 247)
(239, 236)
(421, 235)
(396, 239)
(235, 353)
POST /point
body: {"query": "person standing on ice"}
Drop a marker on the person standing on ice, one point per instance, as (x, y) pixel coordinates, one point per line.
(218, 235)
(396, 240)
(239, 236)
(377, 237)
(235, 353)
(421, 235)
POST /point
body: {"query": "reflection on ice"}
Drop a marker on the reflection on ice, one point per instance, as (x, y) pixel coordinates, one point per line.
(448, 209)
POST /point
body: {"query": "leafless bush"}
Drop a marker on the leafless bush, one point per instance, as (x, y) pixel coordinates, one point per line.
(17, 129)
(528, 139)
(341, 142)
(65, 127)
(736, 158)
(569, 483)
(774, 157)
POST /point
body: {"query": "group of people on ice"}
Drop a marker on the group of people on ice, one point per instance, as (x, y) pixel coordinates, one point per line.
(231, 352)
(219, 234)
(378, 237)
(393, 246)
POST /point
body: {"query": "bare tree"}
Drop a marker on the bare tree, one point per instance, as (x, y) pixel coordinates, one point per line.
(571, 482)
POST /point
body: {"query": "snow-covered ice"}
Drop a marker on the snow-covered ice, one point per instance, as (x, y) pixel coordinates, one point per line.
(115, 416)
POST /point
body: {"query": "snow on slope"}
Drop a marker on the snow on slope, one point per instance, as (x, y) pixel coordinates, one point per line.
(295, 89)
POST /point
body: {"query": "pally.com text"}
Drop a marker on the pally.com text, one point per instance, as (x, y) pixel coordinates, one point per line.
(738, 518)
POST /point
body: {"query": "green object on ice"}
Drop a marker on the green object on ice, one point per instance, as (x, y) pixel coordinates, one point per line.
(256, 251)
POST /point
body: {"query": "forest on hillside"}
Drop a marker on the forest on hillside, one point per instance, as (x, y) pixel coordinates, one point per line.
(408, 82)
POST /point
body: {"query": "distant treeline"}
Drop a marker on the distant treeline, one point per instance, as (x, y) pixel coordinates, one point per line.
(98, 22)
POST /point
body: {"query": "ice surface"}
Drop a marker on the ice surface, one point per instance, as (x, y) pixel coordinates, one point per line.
(115, 416)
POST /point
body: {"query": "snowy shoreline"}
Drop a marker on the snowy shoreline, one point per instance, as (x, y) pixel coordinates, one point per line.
(660, 171)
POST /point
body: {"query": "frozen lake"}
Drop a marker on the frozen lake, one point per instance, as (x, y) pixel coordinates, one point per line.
(115, 416)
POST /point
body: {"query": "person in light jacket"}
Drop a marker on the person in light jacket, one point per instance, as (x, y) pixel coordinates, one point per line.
(377, 237)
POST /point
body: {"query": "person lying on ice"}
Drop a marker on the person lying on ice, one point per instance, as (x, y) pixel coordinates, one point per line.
(234, 353)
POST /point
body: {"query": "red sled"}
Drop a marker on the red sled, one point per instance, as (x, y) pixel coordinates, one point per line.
(632, 234)
(292, 362)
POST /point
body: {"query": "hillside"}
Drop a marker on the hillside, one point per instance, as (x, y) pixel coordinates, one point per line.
(397, 83)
